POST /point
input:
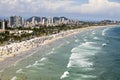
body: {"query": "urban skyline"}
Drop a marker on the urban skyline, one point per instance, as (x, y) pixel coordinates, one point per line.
(76, 9)
(19, 21)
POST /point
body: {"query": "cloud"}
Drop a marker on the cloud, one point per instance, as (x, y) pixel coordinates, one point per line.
(100, 6)
(34, 5)
(97, 7)
(93, 7)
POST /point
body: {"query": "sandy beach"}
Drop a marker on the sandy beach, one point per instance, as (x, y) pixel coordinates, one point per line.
(14, 50)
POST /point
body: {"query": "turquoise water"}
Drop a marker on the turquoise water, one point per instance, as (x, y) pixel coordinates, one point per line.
(89, 55)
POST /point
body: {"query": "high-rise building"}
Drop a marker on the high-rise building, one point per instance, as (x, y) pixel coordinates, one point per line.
(15, 21)
(43, 21)
(33, 20)
(3, 24)
(50, 21)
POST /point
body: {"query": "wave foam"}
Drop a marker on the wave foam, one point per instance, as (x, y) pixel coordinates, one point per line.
(19, 71)
(77, 40)
(96, 38)
(65, 74)
(28, 66)
(79, 63)
(14, 78)
(104, 31)
(89, 45)
(36, 63)
(53, 49)
(88, 69)
(104, 44)
(84, 63)
(80, 56)
(93, 32)
(85, 39)
(87, 76)
(85, 46)
(51, 52)
(69, 64)
(43, 59)
(79, 60)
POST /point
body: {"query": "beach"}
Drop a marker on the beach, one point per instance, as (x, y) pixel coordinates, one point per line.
(14, 50)
(86, 53)
(9, 54)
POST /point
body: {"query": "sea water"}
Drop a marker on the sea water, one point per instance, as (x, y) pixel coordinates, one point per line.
(89, 55)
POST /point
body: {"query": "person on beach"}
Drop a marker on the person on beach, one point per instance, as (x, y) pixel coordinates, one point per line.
(14, 55)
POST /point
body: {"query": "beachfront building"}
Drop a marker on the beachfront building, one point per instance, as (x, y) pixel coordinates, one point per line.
(43, 21)
(50, 22)
(16, 21)
(33, 21)
(3, 24)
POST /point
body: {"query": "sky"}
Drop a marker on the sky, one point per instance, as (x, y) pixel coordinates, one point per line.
(76, 9)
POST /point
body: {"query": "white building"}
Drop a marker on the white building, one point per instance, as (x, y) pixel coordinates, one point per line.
(3, 24)
(50, 22)
(43, 21)
(16, 21)
(33, 20)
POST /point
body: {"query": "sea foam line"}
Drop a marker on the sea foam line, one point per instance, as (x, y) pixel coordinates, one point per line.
(89, 45)
(85, 47)
(93, 32)
(65, 74)
(104, 31)
(43, 59)
(104, 44)
(28, 66)
(36, 63)
(96, 38)
(87, 76)
(80, 59)
(77, 40)
(19, 71)
(14, 78)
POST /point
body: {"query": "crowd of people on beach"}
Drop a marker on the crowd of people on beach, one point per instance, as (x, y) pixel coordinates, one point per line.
(15, 48)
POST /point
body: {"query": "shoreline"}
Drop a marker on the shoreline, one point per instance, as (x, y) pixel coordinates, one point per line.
(16, 49)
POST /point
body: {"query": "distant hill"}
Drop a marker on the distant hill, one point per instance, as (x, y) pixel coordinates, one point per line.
(64, 18)
(36, 19)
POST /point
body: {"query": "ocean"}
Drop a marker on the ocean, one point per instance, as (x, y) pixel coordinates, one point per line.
(89, 55)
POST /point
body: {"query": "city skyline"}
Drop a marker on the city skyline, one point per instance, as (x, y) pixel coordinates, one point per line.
(76, 9)
(19, 21)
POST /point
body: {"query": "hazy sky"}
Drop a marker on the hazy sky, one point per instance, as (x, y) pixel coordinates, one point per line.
(80, 9)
